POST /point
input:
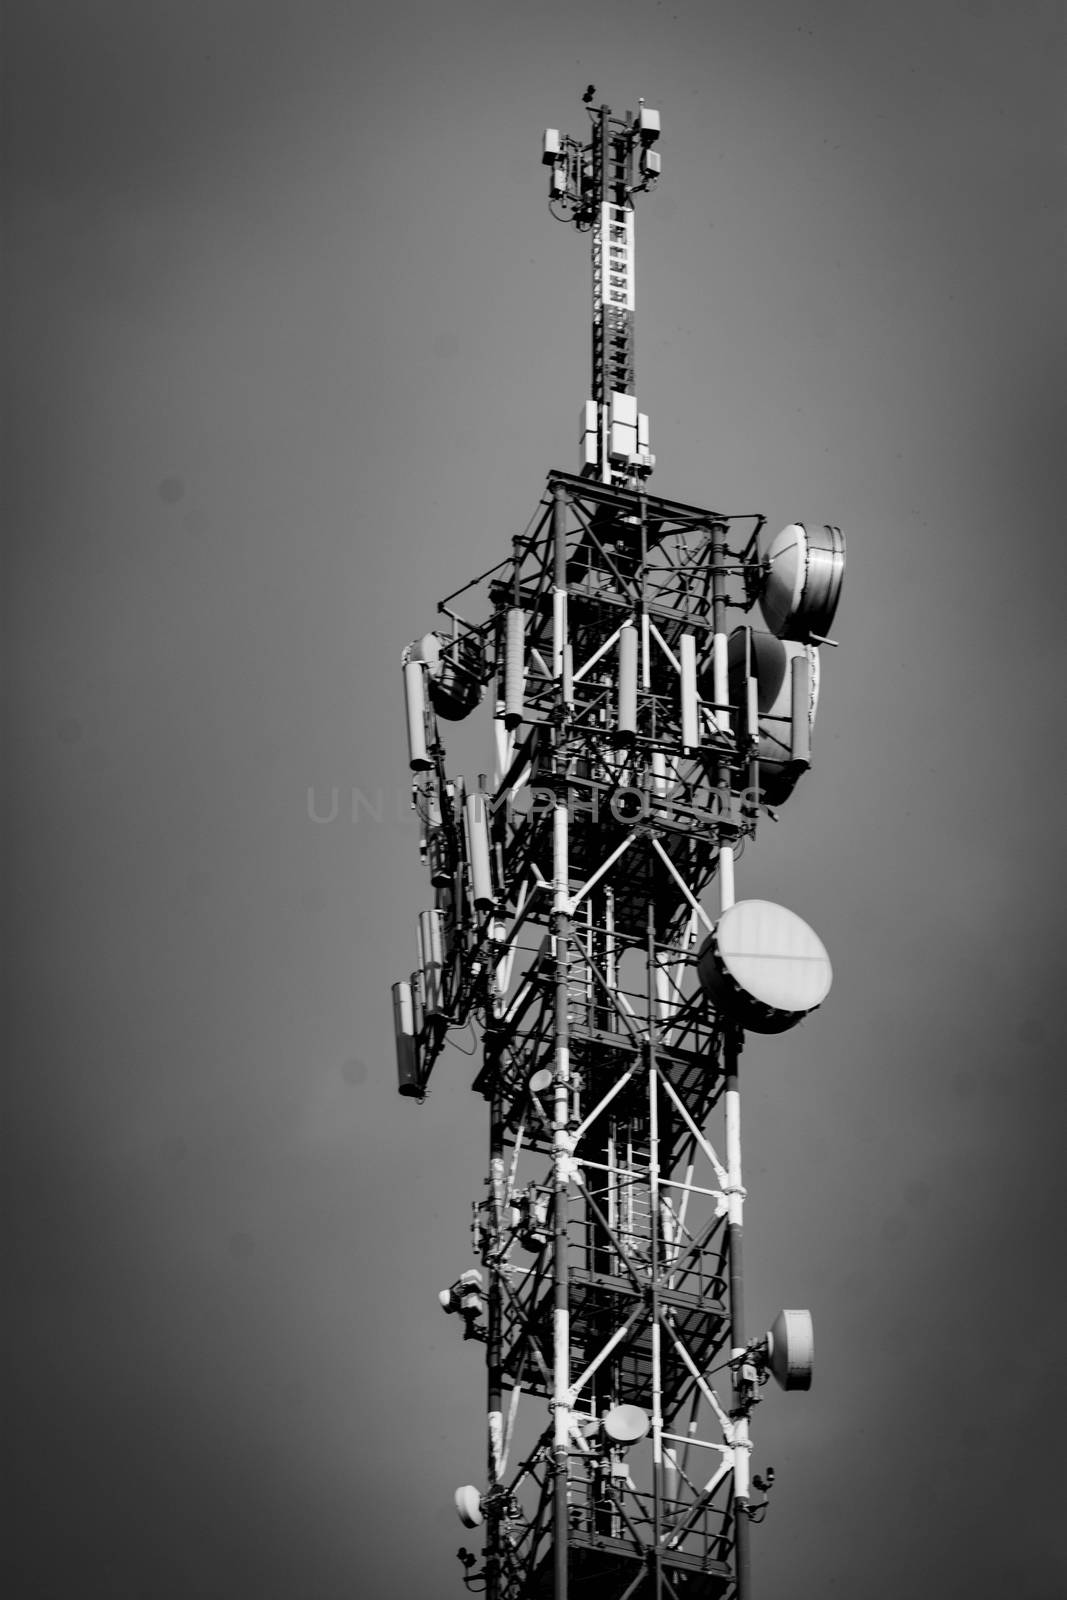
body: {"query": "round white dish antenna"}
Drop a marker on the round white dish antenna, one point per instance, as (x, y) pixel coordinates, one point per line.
(541, 1080)
(427, 649)
(626, 1424)
(469, 1506)
(803, 581)
(763, 966)
(791, 1349)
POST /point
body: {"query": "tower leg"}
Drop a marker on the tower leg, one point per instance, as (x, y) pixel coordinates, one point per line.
(561, 1186)
(735, 1193)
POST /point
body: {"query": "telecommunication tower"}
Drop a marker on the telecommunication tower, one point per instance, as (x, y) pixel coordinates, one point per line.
(653, 673)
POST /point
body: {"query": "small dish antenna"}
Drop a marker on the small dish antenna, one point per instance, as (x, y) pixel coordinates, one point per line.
(803, 581)
(541, 1080)
(763, 966)
(468, 1505)
(791, 1349)
(626, 1424)
(427, 649)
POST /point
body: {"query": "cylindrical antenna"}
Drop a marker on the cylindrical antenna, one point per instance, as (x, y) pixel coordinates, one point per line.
(751, 691)
(514, 666)
(431, 953)
(800, 712)
(687, 660)
(626, 724)
(476, 812)
(415, 699)
(407, 1059)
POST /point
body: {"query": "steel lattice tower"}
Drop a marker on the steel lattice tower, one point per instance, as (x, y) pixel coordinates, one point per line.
(638, 739)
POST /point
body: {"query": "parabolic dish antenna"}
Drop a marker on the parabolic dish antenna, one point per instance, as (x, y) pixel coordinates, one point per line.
(469, 1505)
(541, 1080)
(769, 665)
(763, 967)
(791, 1349)
(803, 582)
(626, 1424)
(427, 649)
(457, 682)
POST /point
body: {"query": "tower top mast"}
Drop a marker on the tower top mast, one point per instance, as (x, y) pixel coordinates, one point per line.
(593, 185)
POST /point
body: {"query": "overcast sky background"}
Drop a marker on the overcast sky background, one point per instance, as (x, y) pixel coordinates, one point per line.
(291, 342)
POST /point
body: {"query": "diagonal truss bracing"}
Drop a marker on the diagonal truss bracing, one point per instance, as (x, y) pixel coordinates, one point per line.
(607, 1233)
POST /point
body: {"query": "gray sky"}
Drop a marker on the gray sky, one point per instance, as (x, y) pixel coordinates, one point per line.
(291, 343)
